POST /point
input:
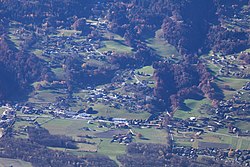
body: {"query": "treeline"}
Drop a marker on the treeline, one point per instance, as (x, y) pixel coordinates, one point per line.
(43, 137)
(18, 70)
(41, 156)
(176, 82)
(148, 155)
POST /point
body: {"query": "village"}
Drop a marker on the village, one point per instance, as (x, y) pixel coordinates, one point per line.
(130, 92)
(121, 129)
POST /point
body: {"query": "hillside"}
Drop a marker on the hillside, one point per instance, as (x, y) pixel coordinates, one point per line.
(125, 82)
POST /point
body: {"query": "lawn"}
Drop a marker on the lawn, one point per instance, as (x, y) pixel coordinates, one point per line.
(7, 162)
(162, 48)
(115, 46)
(195, 109)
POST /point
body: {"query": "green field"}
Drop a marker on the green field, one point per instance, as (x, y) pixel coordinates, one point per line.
(151, 135)
(243, 125)
(234, 83)
(112, 150)
(115, 46)
(6, 162)
(147, 75)
(195, 106)
(146, 70)
(15, 40)
(104, 110)
(59, 72)
(184, 139)
(69, 127)
(162, 48)
(45, 96)
(20, 125)
(242, 143)
(116, 37)
(102, 145)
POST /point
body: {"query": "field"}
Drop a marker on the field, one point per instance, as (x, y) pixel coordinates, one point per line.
(243, 125)
(59, 73)
(193, 109)
(115, 37)
(101, 136)
(147, 75)
(115, 46)
(6, 162)
(235, 142)
(184, 139)
(45, 96)
(235, 83)
(104, 110)
(161, 47)
(146, 70)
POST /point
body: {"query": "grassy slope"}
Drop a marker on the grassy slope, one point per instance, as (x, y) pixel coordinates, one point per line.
(161, 47)
(115, 46)
(195, 111)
